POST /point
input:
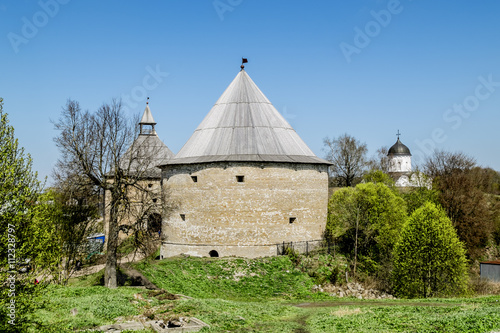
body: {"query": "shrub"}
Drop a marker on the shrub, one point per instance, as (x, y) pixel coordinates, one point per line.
(429, 259)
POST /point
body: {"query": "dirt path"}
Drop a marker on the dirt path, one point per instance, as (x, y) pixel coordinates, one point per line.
(131, 257)
(327, 304)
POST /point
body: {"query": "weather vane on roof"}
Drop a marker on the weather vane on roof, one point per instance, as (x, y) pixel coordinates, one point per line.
(398, 134)
(243, 60)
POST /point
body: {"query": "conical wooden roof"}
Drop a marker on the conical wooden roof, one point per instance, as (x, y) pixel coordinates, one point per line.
(147, 151)
(243, 125)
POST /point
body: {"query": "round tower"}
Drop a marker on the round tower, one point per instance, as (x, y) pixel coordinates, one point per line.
(244, 182)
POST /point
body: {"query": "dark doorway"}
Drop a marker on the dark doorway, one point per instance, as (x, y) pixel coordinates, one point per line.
(214, 254)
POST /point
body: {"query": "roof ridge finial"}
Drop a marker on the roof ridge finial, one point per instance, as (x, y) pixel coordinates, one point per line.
(243, 60)
(147, 101)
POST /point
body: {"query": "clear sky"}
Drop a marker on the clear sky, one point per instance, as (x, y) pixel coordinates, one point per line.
(367, 68)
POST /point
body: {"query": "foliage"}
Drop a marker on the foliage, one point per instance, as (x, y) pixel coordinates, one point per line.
(378, 176)
(416, 197)
(489, 180)
(348, 157)
(324, 268)
(461, 193)
(429, 259)
(69, 222)
(24, 234)
(366, 221)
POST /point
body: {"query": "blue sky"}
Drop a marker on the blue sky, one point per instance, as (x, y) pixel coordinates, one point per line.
(366, 68)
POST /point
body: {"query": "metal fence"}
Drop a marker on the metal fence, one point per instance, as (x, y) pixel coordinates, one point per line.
(305, 247)
(301, 247)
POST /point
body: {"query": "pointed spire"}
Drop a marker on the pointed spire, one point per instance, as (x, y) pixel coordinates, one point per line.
(147, 119)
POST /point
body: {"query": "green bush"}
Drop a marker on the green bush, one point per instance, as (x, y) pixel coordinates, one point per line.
(429, 259)
(324, 268)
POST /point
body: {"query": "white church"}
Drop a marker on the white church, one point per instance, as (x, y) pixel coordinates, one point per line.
(399, 158)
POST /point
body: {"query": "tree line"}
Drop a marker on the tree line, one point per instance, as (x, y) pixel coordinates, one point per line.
(418, 241)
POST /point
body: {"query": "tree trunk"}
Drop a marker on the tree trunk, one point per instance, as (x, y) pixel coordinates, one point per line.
(356, 243)
(111, 261)
(110, 270)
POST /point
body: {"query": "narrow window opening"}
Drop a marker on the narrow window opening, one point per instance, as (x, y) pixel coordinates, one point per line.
(183, 217)
(240, 179)
(194, 178)
(292, 219)
(213, 254)
(155, 200)
(150, 185)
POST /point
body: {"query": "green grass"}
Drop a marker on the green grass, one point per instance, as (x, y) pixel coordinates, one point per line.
(464, 318)
(260, 295)
(231, 278)
(95, 306)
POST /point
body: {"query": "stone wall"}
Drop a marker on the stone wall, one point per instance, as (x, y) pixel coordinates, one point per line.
(140, 201)
(243, 208)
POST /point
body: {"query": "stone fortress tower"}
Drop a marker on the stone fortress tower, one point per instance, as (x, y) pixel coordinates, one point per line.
(399, 163)
(143, 156)
(243, 182)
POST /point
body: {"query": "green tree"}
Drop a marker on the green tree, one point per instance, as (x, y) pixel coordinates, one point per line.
(429, 259)
(378, 176)
(24, 236)
(416, 197)
(365, 221)
(73, 217)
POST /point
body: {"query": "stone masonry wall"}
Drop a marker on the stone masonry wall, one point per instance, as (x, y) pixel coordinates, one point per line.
(137, 201)
(275, 202)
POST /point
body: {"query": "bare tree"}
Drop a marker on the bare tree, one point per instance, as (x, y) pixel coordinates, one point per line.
(348, 156)
(94, 145)
(380, 161)
(443, 163)
(461, 194)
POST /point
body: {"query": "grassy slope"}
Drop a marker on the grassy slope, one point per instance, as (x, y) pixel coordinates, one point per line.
(233, 294)
(230, 278)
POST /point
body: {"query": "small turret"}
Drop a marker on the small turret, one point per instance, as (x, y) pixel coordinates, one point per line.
(147, 122)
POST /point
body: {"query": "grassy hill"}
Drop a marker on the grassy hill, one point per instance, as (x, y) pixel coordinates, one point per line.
(231, 278)
(258, 295)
